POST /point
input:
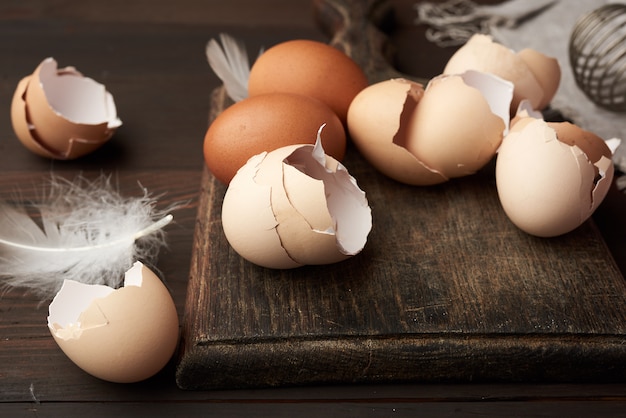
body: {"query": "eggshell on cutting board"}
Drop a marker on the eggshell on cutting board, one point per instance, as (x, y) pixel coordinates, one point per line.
(551, 177)
(124, 335)
(536, 76)
(420, 136)
(295, 206)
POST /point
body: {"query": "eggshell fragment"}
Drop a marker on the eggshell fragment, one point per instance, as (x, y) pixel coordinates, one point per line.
(374, 121)
(60, 114)
(124, 335)
(460, 122)
(295, 206)
(427, 136)
(536, 77)
(551, 176)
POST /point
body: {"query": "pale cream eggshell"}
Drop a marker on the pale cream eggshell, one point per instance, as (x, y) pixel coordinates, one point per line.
(374, 123)
(59, 113)
(460, 122)
(536, 76)
(551, 177)
(120, 335)
(295, 206)
(427, 136)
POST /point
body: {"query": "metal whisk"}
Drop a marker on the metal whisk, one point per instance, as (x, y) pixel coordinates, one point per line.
(597, 52)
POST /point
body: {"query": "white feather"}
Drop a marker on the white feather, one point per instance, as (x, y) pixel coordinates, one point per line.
(81, 230)
(230, 63)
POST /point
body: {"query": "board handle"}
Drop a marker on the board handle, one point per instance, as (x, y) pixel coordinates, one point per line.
(354, 27)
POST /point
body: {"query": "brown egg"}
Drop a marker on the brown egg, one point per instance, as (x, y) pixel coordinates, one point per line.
(267, 122)
(310, 68)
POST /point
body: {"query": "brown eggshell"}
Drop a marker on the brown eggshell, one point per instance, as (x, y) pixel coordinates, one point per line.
(546, 70)
(20, 123)
(267, 122)
(309, 68)
(425, 137)
(591, 144)
(481, 53)
(124, 335)
(547, 183)
(295, 206)
(374, 123)
(68, 115)
(463, 147)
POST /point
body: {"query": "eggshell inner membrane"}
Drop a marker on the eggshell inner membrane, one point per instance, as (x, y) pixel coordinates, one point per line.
(75, 97)
(72, 300)
(349, 215)
(58, 113)
(481, 53)
(124, 335)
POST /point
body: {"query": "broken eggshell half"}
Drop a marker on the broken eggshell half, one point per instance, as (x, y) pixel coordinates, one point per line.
(120, 335)
(295, 206)
(551, 177)
(536, 76)
(418, 136)
(60, 114)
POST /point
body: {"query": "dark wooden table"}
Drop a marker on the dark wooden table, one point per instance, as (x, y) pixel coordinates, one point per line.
(150, 54)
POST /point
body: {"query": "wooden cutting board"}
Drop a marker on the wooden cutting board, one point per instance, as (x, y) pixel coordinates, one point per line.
(446, 289)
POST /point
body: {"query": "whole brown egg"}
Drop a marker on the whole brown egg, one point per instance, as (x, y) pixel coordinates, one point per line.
(310, 68)
(267, 122)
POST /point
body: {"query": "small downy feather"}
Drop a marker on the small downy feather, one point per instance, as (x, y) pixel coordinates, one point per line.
(230, 63)
(82, 230)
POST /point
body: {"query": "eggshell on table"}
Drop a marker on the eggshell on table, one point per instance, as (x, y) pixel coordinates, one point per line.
(536, 77)
(426, 136)
(310, 68)
(267, 122)
(374, 123)
(551, 177)
(124, 335)
(460, 122)
(60, 114)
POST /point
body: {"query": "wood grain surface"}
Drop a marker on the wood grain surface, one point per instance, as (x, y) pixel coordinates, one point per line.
(446, 289)
(150, 54)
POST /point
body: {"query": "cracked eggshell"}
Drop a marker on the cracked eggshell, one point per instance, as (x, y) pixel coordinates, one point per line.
(60, 114)
(551, 176)
(374, 122)
(124, 335)
(536, 76)
(295, 206)
(406, 133)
